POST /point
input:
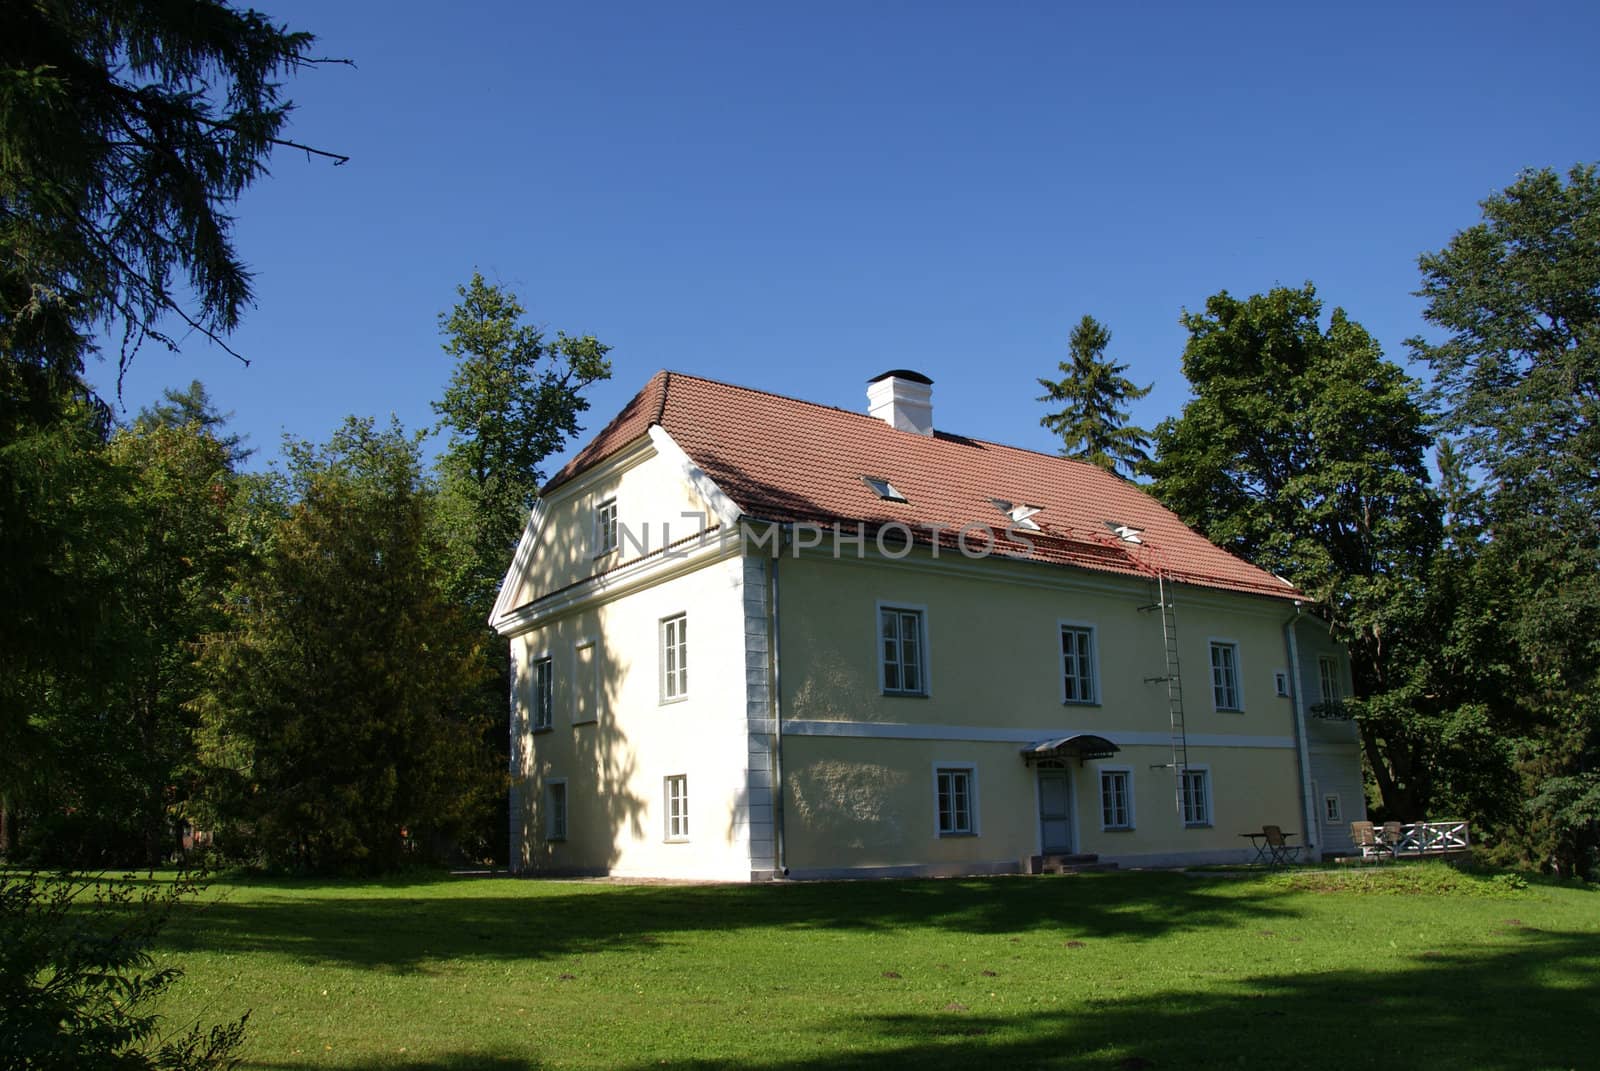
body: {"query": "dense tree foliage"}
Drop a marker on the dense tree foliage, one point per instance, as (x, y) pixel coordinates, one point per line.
(1304, 450)
(123, 769)
(127, 132)
(107, 746)
(1517, 297)
(130, 129)
(1093, 395)
(343, 718)
(512, 400)
(61, 527)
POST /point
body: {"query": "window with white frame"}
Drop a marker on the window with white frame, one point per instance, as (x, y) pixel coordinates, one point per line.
(674, 658)
(677, 794)
(543, 698)
(1332, 810)
(1116, 799)
(1077, 662)
(1225, 675)
(1328, 675)
(605, 527)
(1196, 797)
(903, 641)
(955, 800)
(555, 814)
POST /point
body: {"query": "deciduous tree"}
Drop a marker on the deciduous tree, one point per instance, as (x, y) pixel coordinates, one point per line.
(342, 707)
(513, 399)
(112, 767)
(1517, 372)
(1303, 450)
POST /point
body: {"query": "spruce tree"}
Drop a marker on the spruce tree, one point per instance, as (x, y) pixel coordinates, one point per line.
(1094, 394)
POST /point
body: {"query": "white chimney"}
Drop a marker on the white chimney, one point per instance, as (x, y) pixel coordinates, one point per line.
(902, 399)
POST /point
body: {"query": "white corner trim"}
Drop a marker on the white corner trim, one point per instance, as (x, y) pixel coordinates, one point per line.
(727, 512)
(519, 567)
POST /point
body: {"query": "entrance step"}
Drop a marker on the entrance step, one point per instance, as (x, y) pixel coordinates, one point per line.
(1068, 864)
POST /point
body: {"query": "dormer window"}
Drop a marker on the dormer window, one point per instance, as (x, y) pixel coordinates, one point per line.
(605, 527)
(884, 489)
(1021, 515)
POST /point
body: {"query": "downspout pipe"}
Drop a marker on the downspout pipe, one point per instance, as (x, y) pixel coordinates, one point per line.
(1302, 745)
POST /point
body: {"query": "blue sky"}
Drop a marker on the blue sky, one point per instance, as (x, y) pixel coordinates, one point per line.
(796, 198)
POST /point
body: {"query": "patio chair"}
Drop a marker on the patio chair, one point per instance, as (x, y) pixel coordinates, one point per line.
(1279, 850)
(1365, 837)
(1392, 837)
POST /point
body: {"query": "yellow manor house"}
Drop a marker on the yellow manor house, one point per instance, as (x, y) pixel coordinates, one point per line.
(752, 636)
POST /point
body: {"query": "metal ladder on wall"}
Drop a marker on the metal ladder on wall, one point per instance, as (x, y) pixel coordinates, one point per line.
(1173, 679)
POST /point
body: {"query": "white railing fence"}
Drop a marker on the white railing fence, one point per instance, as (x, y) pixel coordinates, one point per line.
(1426, 837)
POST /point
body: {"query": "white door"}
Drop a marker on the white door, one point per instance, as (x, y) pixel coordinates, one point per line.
(1055, 812)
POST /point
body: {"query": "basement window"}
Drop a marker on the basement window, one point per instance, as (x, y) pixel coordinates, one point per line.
(884, 489)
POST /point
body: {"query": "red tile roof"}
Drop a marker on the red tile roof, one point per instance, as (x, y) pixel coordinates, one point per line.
(782, 459)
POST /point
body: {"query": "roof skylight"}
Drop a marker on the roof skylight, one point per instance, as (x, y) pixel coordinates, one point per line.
(1126, 532)
(1021, 515)
(884, 489)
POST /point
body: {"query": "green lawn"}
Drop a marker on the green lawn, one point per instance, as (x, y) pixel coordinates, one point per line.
(1412, 967)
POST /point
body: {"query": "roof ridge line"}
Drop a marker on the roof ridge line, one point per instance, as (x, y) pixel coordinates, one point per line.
(937, 433)
(1051, 457)
(787, 398)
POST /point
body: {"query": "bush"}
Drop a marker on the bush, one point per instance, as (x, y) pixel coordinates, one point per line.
(77, 980)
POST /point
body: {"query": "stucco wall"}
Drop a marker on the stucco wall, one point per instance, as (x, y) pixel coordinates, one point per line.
(858, 764)
(615, 762)
(994, 648)
(651, 502)
(615, 766)
(853, 803)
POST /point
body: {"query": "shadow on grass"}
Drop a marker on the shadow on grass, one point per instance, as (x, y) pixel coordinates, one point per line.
(1523, 1007)
(456, 1061)
(558, 919)
(1529, 1007)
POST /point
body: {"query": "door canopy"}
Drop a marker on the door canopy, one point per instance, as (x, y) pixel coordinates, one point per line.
(1079, 746)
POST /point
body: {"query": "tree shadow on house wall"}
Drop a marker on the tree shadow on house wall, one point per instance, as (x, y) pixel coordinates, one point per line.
(602, 807)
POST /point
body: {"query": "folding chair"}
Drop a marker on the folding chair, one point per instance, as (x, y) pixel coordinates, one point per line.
(1365, 837)
(1278, 848)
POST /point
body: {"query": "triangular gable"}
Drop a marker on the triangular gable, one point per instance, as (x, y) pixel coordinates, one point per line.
(519, 566)
(723, 510)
